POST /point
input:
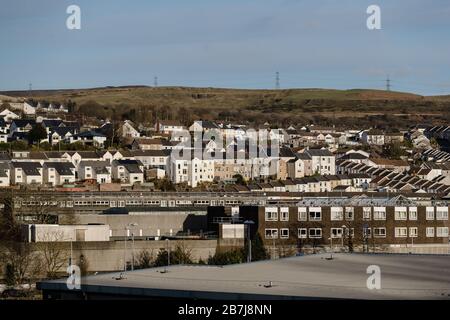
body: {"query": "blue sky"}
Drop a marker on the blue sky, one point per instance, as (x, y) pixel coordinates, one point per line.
(232, 43)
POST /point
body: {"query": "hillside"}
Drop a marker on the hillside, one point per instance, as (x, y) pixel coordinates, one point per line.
(325, 106)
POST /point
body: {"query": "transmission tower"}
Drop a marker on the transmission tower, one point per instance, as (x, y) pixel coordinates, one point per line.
(155, 82)
(277, 80)
(388, 84)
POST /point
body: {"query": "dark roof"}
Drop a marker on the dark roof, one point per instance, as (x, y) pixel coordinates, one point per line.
(51, 122)
(319, 153)
(20, 123)
(4, 156)
(62, 131)
(30, 168)
(149, 153)
(63, 168)
(132, 166)
(89, 134)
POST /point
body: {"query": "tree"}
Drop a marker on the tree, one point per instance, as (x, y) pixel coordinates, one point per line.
(239, 179)
(144, 260)
(181, 255)
(37, 133)
(54, 253)
(23, 265)
(227, 257)
(259, 251)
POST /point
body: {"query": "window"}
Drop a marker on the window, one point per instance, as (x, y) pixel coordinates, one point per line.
(271, 233)
(302, 233)
(366, 213)
(284, 233)
(430, 232)
(400, 213)
(379, 213)
(413, 232)
(401, 232)
(367, 232)
(302, 216)
(442, 232)
(271, 214)
(284, 214)
(315, 233)
(379, 232)
(442, 213)
(430, 213)
(337, 213)
(336, 232)
(349, 213)
(315, 214)
(412, 213)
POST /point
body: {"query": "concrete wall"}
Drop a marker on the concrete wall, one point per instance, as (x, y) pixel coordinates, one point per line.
(148, 223)
(109, 256)
(64, 233)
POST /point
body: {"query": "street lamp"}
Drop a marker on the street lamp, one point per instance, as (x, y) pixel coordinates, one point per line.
(331, 246)
(127, 227)
(249, 223)
(168, 251)
(344, 228)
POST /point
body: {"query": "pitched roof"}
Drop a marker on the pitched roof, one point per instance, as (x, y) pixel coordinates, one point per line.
(63, 168)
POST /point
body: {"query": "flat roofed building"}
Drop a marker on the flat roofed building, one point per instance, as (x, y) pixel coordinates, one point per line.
(296, 278)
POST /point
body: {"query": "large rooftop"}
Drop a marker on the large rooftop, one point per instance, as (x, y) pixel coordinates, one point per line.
(313, 276)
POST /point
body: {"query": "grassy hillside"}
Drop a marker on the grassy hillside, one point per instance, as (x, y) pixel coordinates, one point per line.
(146, 104)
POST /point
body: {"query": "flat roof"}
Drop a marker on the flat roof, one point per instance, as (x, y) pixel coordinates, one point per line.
(305, 277)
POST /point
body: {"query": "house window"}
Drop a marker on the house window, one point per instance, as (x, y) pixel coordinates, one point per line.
(366, 213)
(430, 232)
(379, 213)
(442, 213)
(430, 213)
(302, 233)
(336, 232)
(379, 232)
(442, 232)
(284, 233)
(315, 214)
(413, 232)
(401, 232)
(302, 215)
(337, 213)
(412, 213)
(367, 232)
(315, 233)
(271, 233)
(349, 213)
(271, 214)
(400, 213)
(284, 214)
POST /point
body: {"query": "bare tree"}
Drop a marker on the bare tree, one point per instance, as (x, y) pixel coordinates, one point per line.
(25, 263)
(54, 252)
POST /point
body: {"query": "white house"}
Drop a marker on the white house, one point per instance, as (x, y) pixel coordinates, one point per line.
(26, 172)
(128, 171)
(96, 170)
(323, 161)
(5, 172)
(24, 107)
(8, 115)
(58, 173)
(128, 130)
(168, 126)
